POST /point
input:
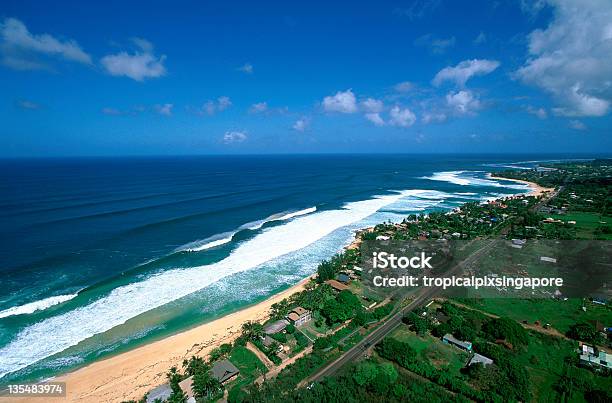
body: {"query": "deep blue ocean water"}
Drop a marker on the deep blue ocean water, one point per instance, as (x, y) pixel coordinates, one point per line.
(99, 255)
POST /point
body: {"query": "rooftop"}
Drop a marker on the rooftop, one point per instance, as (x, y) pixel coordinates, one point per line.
(224, 370)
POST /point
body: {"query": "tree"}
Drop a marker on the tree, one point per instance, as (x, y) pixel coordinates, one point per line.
(365, 372)
(252, 330)
(585, 332)
(507, 329)
(177, 395)
(204, 384)
(193, 365)
(386, 376)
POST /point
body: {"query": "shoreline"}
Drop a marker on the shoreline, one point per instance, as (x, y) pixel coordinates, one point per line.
(536, 190)
(129, 375)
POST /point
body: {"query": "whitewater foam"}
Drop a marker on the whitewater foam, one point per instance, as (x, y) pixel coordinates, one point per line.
(467, 178)
(222, 239)
(33, 343)
(39, 305)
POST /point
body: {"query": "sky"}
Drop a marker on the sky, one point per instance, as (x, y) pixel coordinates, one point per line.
(119, 78)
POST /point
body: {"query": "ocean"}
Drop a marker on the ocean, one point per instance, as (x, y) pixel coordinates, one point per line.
(99, 255)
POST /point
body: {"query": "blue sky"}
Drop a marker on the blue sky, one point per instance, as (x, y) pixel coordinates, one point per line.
(155, 78)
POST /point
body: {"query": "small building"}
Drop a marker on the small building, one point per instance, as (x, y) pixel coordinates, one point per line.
(382, 238)
(336, 285)
(343, 278)
(160, 393)
(595, 359)
(298, 316)
(186, 387)
(224, 371)
(450, 339)
(275, 327)
(548, 259)
(519, 241)
(477, 358)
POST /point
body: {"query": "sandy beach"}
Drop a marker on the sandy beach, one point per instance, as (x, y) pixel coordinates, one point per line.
(536, 190)
(131, 374)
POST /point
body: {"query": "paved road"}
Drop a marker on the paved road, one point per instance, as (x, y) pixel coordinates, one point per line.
(392, 322)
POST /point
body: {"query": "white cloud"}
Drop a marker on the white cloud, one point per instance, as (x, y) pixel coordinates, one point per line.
(577, 125)
(20, 49)
(234, 137)
(211, 107)
(375, 118)
(301, 124)
(539, 112)
(437, 46)
(418, 9)
(246, 68)
(372, 105)
(465, 70)
(401, 117)
(430, 117)
(140, 65)
(404, 86)
(165, 109)
(462, 102)
(258, 107)
(570, 59)
(343, 102)
(480, 39)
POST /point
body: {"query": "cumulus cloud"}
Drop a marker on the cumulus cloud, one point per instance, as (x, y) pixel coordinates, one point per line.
(401, 117)
(342, 102)
(465, 70)
(258, 107)
(577, 125)
(405, 86)
(431, 117)
(211, 107)
(539, 112)
(375, 118)
(140, 65)
(246, 68)
(437, 46)
(234, 137)
(301, 124)
(21, 50)
(570, 59)
(372, 105)
(462, 102)
(165, 109)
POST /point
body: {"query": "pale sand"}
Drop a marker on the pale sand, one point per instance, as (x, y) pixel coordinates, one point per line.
(536, 190)
(131, 374)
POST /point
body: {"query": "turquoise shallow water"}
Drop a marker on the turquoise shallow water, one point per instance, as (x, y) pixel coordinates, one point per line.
(101, 255)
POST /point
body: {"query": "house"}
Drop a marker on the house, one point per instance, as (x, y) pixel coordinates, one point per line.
(336, 285)
(519, 242)
(592, 358)
(160, 393)
(548, 259)
(450, 339)
(298, 316)
(477, 358)
(186, 387)
(382, 238)
(224, 371)
(343, 278)
(275, 327)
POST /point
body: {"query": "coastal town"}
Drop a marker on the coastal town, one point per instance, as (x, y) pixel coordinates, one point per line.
(333, 341)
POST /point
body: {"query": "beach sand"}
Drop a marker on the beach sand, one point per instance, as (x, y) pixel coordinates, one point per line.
(536, 190)
(131, 374)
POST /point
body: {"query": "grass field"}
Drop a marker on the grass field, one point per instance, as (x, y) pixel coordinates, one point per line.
(249, 365)
(586, 223)
(560, 314)
(432, 349)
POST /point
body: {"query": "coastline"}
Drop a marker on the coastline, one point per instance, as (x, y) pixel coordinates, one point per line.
(536, 190)
(129, 375)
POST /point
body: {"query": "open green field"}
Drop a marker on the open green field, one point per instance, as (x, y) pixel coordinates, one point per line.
(432, 349)
(560, 314)
(586, 223)
(249, 365)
